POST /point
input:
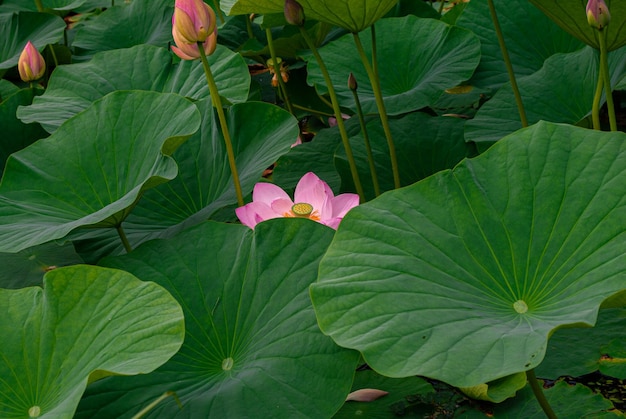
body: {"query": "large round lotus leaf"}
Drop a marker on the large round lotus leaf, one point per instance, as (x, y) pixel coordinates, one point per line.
(16, 29)
(571, 16)
(417, 60)
(464, 275)
(85, 319)
(522, 25)
(562, 91)
(252, 346)
(144, 67)
(260, 132)
(125, 25)
(94, 168)
(353, 15)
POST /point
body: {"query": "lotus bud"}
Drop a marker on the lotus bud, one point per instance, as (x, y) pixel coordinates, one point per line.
(294, 14)
(190, 51)
(31, 64)
(598, 14)
(194, 20)
(352, 84)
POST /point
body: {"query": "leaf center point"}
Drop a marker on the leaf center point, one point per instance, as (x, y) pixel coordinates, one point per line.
(34, 412)
(227, 364)
(520, 306)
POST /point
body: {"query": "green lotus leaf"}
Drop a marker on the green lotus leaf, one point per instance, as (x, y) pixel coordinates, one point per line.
(578, 351)
(125, 25)
(436, 145)
(562, 91)
(463, 276)
(260, 133)
(571, 16)
(522, 25)
(353, 15)
(567, 401)
(419, 59)
(19, 28)
(144, 67)
(15, 134)
(498, 390)
(26, 268)
(111, 153)
(73, 5)
(86, 319)
(252, 342)
(388, 406)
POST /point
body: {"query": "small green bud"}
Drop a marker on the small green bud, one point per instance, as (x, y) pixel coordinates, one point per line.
(352, 84)
(294, 14)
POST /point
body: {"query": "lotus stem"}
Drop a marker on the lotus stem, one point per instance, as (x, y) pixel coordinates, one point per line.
(311, 111)
(509, 66)
(366, 139)
(217, 103)
(123, 238)
(151, 406)
(337, 111)
(39, 5)
(604, 70)
(538, 392)
(595, 108)
(216, 6)
(281, 83)
(374, 81)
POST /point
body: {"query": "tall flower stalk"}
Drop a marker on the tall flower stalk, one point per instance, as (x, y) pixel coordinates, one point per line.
(353, 85)
(375, 82)
(507, 63)
(294, 15)
(195, 34)
(598, 17)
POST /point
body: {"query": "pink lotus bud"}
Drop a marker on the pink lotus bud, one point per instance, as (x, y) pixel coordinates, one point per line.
(194, 21)
(31, 64)
(294, 14)
(188, 51)
(598, 14)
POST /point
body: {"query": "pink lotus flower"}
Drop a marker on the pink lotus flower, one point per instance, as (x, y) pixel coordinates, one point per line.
(31, 64)
(193, 21)
(313, 199)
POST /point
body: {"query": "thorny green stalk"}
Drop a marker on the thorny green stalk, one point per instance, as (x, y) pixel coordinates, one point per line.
(595, 108)
(604, 72)
(368, 148)
(507, 63)
(217, 103)
(39, 5)
(337, 111)
(374, 81)
(276, 64)
(152, 405)
(538, 392)
(123, 238)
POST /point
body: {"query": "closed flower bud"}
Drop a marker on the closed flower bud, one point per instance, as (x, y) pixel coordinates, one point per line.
(598, 14)
(31, 64)
(194, 20)
(294, 14)
(352, 84)
(190, 51)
